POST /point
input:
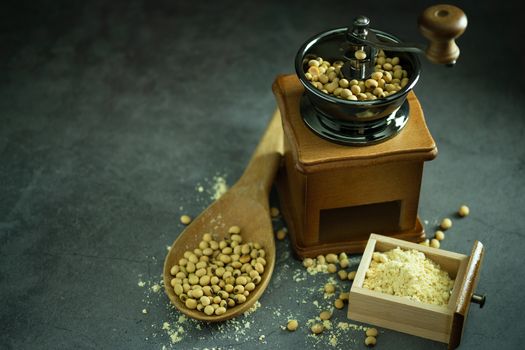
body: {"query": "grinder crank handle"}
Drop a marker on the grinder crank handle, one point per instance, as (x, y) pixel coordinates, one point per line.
(441, 25)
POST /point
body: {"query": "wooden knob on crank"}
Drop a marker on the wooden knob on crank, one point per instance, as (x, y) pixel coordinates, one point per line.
(441, 25)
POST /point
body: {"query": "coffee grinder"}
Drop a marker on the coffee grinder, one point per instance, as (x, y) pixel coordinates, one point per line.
(354, 167)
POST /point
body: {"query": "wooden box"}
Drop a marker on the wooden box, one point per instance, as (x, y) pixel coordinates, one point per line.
(440, 323)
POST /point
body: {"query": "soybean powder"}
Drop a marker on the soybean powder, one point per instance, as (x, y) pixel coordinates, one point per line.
(408, 273)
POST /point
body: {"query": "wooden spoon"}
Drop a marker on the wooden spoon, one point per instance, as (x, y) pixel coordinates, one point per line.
(245, 205)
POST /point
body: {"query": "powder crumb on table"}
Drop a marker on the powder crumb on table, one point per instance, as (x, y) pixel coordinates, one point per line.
(254, 308)
(299, 276)
(327, 324)
(320, 268)
(219, 187)
(343, 325)
(333, 340)
(346, 326)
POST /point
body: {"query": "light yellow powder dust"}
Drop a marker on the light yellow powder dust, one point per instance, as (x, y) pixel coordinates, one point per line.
(219, 187)
(408, 273)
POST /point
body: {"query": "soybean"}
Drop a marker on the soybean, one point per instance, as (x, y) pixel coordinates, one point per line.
(292, 325)
(185, 219)
(331, 268)
(191, 304)
(446, 224)
(330, 80)
(308, 262)
(281, 234)
(218, 274)
(440, 235)
(351, 275)
(325, 315)
(317, 328)
(463, 211)
(360, 54)
(344, 263)
(331, 258)
(370, 341)
(371, 332)
(329, 288)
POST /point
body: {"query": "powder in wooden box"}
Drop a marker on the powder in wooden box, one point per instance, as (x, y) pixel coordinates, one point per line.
(408, 273)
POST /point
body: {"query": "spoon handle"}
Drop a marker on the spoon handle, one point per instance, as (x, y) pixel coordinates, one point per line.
(258, 176)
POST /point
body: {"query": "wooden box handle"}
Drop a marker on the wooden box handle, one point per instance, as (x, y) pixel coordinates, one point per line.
(467, 295)
(441, 25)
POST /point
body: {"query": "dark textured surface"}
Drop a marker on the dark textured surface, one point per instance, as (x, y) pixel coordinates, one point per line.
(111, 112)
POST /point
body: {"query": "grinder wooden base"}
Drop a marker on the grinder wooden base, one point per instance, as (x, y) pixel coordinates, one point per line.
(333, 196)
(417, 234)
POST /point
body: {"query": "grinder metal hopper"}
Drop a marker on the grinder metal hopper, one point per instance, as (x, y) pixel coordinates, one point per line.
(362, 123)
